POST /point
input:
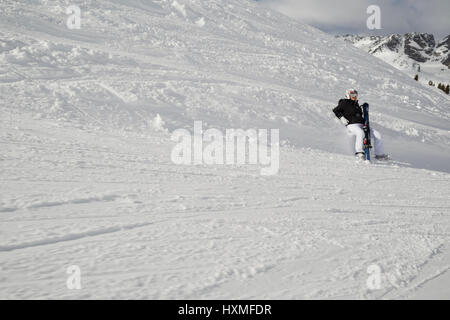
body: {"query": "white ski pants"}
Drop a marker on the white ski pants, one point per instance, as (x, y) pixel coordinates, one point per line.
(356, 129)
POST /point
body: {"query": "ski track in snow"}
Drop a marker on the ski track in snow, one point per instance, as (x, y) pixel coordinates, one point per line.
(68, 237)
(87, 178)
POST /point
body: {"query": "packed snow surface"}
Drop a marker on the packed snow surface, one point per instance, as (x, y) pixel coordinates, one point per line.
(87, 180)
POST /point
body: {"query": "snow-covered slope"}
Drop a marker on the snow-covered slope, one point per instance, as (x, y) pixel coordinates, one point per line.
(87, 180)
(413, 53)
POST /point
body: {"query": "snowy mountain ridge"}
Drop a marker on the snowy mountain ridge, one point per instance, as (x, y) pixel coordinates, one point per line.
(413, 53)
(411, 48)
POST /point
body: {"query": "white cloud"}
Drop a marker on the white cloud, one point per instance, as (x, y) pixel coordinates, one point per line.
(397, 16)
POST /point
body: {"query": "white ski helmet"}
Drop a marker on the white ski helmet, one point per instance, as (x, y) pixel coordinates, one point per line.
(351, 93)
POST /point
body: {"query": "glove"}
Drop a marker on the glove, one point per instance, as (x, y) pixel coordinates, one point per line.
(344, 121)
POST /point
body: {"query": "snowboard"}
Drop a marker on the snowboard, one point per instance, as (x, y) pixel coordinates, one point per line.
(366, 127)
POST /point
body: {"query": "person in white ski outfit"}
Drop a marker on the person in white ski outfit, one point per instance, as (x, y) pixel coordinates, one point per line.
(351, 114)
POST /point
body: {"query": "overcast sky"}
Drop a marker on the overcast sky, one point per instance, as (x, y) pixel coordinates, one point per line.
(349, 16)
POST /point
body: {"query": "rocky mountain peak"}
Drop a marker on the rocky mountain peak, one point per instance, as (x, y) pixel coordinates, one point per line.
(415, 46)
(419, 46)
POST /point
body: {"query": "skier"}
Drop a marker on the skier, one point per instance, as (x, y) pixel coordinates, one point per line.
(351, 115)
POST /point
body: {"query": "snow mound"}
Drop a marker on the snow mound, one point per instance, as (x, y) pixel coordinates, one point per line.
(158, 123)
